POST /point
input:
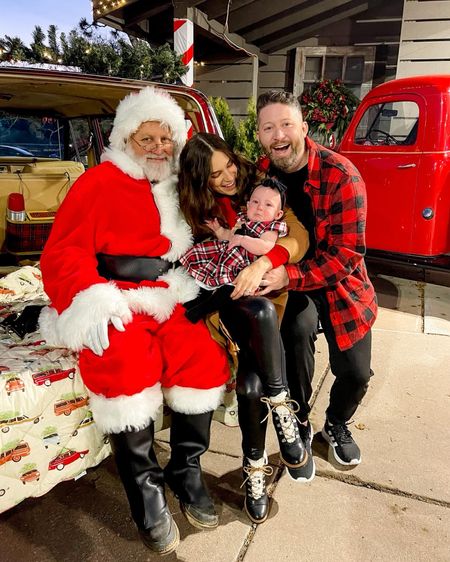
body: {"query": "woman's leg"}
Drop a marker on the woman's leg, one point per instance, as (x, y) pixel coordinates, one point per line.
(253, 324)
(253, 423)
(240, 319)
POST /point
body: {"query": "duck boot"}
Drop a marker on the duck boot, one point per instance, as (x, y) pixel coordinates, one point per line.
(256, 503)
(293, 453)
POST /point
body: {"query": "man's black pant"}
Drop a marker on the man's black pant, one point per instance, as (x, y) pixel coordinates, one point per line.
(350, 367)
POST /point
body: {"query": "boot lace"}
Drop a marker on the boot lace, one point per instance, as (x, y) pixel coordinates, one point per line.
(285, 410)
(341, 433)
(256, 477)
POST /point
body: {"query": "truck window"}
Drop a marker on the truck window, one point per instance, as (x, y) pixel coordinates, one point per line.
(393, 123)
(44, 137)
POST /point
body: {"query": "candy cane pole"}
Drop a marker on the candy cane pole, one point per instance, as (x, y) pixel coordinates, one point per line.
(183, 35)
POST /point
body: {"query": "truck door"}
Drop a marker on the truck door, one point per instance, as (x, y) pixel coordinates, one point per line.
(385, 146)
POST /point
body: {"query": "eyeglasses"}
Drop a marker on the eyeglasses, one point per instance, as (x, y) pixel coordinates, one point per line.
(150, 144)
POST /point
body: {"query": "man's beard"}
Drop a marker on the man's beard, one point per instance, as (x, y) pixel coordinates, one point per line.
(154, 171)
(284, 163)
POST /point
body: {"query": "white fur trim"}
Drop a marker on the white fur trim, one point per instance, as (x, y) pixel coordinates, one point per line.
(181, 284)
(126, 413)
(159, 302)
(47, 325)
(186, 400)
(149, 104)
(88, 308)
(173, 224)
(123, 162)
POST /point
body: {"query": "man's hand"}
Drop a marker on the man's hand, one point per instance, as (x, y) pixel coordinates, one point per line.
(97, 337)
(274, 280)
(249, 279)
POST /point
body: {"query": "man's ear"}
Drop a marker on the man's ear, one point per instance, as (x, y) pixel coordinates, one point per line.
(257, 132)
(305, 128)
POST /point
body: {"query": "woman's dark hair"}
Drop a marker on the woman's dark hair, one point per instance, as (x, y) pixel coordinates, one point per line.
(197, 200)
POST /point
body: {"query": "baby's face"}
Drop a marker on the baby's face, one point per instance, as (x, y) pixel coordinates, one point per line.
(264, 205)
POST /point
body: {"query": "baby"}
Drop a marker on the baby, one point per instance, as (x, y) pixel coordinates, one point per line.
(216, 263)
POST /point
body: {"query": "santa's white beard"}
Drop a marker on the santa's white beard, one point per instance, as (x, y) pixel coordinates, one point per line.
(153, 170)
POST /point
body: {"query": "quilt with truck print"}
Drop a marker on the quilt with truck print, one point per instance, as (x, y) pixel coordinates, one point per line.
(47, 433)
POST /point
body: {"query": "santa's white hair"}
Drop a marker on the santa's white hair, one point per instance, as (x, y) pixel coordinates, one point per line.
(149, 104)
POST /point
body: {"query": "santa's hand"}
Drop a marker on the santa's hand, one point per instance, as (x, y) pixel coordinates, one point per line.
(97, 336)
(274, 280)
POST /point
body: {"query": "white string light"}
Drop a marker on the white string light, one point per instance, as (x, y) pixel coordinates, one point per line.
(103, 6)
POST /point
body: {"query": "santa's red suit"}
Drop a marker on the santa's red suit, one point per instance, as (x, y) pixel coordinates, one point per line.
(114, 209)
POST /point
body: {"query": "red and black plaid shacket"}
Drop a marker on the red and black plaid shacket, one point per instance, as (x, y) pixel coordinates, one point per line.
(338, 198)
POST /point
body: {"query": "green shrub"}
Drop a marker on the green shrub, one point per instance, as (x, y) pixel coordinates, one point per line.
(226, 121)
(243, 138)
(247, 142)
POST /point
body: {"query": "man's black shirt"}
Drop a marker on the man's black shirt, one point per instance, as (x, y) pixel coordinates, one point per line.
(299, 201)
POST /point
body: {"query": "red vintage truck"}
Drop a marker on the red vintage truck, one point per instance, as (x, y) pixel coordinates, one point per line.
(399, 139)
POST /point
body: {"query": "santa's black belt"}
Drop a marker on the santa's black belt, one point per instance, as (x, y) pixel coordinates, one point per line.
(132, 268)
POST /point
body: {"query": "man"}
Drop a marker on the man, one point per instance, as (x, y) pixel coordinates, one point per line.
(330, 285)
(109, 268)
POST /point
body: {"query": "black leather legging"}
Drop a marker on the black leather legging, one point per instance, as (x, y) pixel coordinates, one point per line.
(253, 324)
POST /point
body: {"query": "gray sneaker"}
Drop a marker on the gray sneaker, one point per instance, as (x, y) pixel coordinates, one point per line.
(306, 472)
(341, 441)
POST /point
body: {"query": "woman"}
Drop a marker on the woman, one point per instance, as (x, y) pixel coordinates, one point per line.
(213, 184)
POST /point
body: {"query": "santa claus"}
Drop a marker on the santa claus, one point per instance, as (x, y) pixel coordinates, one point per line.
(117, 293)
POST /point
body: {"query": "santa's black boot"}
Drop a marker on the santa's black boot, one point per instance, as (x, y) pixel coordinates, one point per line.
(143, 480)
(189, 439)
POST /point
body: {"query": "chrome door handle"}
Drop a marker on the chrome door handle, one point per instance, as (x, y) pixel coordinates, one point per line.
(403, 166)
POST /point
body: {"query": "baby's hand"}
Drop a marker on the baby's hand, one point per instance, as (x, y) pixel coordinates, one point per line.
(234, 241)
(213, 224)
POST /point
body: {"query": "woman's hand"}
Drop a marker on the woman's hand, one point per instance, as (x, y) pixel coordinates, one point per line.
(248, 281)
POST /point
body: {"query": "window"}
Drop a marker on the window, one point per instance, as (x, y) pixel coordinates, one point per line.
(393, 123)
(334, 68)
(349, 69)
(44, 137)
(313, 69)
(353, 65)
